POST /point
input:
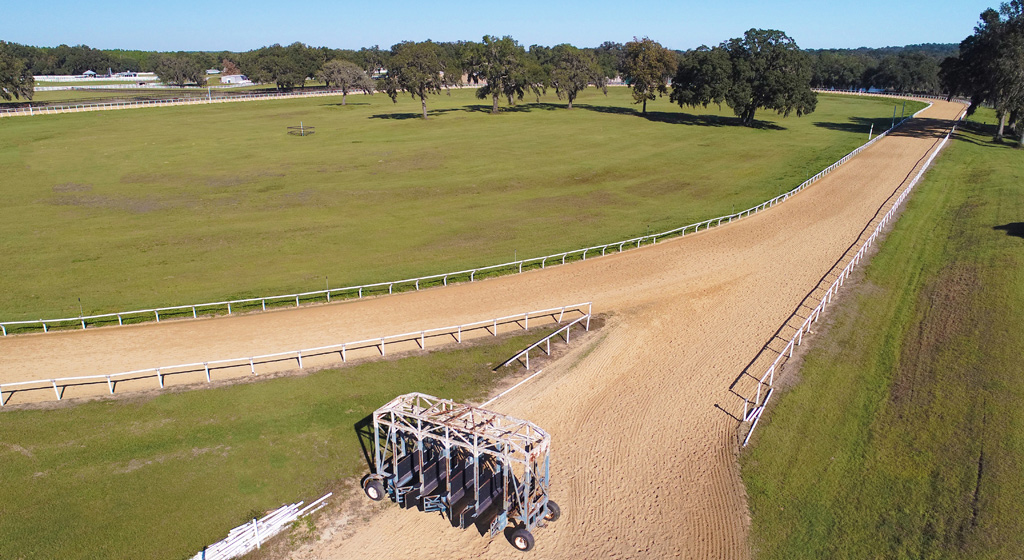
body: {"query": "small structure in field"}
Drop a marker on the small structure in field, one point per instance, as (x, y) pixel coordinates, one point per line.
(301, 130)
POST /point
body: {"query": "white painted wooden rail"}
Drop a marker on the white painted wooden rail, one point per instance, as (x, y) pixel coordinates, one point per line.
(514, 267)
(420, 337)
(754, 408)
(564, 331)
(201, 99)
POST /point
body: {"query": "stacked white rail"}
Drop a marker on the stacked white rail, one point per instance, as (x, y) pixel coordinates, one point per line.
(514, 267)
(249, 537)
(420, 337)
(752, 410)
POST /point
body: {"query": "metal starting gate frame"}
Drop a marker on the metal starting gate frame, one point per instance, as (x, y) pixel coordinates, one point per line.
(473, 465)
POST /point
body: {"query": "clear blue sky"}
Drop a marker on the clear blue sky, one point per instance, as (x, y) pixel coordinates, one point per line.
(239, 26)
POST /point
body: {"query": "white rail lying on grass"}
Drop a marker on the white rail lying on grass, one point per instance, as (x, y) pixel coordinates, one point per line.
(515, 267)
(753, 410)
(342, 350)
(249, 537)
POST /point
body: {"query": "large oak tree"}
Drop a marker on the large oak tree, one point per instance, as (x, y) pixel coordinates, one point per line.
(573, 71)
(16, 80)
(346, 76)
(647, 67)
(419, 69)
(764, 69)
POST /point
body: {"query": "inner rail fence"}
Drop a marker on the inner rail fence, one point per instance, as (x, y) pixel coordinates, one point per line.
(753, 408)
(409, 284)
(59, 384)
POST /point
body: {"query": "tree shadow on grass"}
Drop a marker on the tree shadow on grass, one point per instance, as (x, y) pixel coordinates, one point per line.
(858, 125)
(348, 104)
(680, 118)
(1013, 229)
(524, 108)
(406, 116)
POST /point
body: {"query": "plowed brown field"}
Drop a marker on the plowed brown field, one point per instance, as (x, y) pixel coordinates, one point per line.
(643, 457)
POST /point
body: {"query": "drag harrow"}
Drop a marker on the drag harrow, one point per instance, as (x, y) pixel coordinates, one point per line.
(477, 467)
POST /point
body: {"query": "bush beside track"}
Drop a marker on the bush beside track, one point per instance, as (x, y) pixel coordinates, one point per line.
(903, 438)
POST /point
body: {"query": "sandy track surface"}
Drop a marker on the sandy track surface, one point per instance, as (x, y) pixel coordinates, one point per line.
(643, 457)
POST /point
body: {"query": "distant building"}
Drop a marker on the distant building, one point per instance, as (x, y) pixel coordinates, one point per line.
(213, 71)
(234, 79)
(89, 74)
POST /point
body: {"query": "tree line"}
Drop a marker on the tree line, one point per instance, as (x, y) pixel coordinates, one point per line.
(989, 68)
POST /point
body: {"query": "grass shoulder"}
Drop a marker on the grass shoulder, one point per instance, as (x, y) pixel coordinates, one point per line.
(163, 476)
(903, 438)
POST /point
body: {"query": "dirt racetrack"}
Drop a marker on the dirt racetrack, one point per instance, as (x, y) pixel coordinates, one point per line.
(643, 460)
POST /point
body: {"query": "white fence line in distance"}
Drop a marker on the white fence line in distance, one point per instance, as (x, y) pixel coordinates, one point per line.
(754, 409)
(380, 288)
(201, 99)
(59, 384)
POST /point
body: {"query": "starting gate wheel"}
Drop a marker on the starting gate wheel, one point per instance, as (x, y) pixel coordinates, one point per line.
(522, 539)
(374, 489)
(554, 512)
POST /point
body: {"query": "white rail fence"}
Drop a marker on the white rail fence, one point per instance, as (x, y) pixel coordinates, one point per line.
(514, 267)
(419, 337)
(753, 409)
(524, 356)
(246, 538)
(197, 100)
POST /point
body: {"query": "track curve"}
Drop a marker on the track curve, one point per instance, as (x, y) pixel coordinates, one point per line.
(643, 460)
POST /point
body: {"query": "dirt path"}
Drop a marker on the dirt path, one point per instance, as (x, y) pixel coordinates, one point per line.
(643, 459)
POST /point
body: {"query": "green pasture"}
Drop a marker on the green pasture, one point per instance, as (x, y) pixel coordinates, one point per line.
(904, 437)
(176, 205)
(163, 476)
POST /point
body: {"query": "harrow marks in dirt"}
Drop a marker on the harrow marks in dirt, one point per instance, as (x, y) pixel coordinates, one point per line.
(642, 418)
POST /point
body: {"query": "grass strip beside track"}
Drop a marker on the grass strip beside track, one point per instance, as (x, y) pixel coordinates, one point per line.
(904, 437)
(160, 477)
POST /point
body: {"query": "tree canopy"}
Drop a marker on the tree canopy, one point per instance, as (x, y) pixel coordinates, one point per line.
(286, 67)
(346, 76)
(647, 67)
(420, 69)
(16, 79)
(180, 70)
(573, 71)
(764, 69)
(990, 66)
(500, 64)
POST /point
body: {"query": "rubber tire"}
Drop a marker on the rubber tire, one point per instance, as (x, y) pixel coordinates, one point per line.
(374, 489)
(522, 540)
(554, 512)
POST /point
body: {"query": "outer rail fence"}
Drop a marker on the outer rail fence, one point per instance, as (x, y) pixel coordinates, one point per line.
(197, 100)
(471, 275)
(754, 409)
(420, 337)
